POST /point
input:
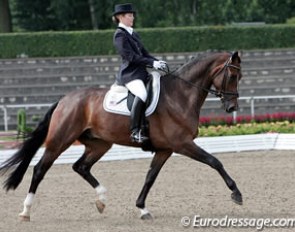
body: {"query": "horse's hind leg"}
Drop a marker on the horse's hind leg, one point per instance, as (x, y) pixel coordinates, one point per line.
(38, 174)
(193, 151)
(95, 149)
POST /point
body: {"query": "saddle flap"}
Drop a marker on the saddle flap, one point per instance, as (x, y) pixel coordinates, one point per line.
(115, 100)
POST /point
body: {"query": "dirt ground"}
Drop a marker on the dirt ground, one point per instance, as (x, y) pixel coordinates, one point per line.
(65, 202)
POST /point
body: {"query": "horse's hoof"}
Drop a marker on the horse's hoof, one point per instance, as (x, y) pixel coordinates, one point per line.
(24, 218)
(146, 216)
(100, 206)
(237, 198)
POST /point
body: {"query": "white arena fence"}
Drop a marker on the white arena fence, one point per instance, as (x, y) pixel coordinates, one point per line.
(250, 100)
(271, 141)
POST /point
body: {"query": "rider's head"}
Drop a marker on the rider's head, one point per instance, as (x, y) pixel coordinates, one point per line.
(124, 13)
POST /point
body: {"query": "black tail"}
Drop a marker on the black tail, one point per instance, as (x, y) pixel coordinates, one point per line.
(21, 159)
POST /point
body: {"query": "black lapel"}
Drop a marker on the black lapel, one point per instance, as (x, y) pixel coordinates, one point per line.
(134, 38)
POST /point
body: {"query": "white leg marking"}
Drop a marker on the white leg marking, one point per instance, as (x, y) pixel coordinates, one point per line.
(100, 190)
(144, 211)
(27, 205)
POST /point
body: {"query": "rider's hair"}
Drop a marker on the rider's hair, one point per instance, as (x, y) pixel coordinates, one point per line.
(115, 19)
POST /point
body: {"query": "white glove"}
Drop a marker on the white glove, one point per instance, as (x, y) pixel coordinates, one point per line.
(159, 64)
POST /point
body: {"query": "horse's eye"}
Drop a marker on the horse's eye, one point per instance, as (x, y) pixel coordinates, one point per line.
(233, 77)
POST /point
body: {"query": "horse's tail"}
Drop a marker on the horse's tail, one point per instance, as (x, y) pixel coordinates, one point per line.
(21, 159)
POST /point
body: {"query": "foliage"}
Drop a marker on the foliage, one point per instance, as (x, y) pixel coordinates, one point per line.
(277, 11)
(283, 122)
(157, 40)
(44, 15)
(291, 20)
(53, 44)
(248, 128)
(228, 120)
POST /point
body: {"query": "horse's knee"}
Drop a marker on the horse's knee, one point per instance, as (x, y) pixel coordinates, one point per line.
(77, 167)
(80, 168)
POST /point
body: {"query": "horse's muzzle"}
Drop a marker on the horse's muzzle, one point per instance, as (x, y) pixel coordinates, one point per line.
(230, 106)
(231, 109)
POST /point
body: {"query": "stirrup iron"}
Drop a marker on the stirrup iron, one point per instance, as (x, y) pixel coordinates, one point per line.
(138, 137)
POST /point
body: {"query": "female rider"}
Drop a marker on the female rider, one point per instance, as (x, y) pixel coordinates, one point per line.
(135, 60)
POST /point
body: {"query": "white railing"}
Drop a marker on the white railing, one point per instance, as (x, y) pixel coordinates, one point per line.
(251, 100)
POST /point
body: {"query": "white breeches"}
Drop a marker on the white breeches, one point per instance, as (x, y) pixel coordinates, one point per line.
(137, 87)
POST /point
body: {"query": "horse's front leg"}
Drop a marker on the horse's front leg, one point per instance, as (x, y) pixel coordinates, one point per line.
(195, 152)
(157, 163)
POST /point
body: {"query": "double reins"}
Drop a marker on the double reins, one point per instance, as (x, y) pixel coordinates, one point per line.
(222, 93)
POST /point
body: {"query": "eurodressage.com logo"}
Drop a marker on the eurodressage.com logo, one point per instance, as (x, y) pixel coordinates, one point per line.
(259, 224)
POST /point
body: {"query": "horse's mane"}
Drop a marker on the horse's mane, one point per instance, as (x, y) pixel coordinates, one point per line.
(201, 59)
(198, 59)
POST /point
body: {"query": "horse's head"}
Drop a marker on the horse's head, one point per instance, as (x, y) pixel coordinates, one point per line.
(226, 82)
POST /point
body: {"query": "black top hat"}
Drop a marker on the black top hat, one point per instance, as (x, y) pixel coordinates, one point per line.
(123, 8)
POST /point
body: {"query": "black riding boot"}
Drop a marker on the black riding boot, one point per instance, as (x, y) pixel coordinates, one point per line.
(137, 113)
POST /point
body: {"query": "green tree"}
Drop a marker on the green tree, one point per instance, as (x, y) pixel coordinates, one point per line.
(40, 15)
(277, 11)
(35, 15)
(72, 14)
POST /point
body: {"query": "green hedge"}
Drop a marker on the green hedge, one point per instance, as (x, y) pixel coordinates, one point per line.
(157, 40)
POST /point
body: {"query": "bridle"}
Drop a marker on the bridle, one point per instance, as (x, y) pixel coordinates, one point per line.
(222, 94)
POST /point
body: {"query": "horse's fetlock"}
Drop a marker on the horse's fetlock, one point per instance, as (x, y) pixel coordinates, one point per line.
(140, 204)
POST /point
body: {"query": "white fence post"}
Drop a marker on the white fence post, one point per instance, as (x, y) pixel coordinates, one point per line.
(235, 117)
(5, 118)
(252, 108)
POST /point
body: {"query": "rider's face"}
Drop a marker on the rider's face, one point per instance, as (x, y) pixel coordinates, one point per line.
(127, 19)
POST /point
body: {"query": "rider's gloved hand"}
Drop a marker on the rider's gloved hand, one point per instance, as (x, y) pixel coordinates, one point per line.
(159, 64)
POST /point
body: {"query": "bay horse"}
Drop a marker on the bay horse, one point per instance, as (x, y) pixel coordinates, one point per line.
(79, 115)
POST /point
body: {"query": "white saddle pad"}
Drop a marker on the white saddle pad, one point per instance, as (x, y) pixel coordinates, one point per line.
(113, 102)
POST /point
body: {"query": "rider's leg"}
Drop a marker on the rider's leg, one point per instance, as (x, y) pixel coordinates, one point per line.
(137, 87)
(137, 111)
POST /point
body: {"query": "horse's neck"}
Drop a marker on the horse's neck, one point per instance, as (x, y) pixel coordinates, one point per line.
(194, 80)
(185, 94)
(197, 74)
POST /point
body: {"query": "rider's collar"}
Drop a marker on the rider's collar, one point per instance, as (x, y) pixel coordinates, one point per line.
(129, 29)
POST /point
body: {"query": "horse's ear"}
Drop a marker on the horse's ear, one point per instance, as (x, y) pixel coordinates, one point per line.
(236, 57)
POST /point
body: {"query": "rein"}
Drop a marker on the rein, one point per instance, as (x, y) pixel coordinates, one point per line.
(221, 94)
